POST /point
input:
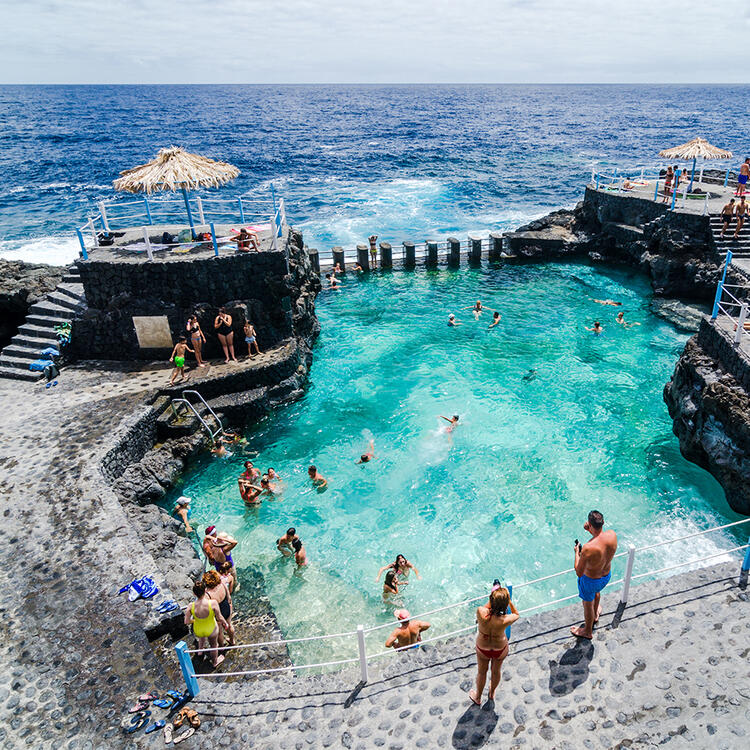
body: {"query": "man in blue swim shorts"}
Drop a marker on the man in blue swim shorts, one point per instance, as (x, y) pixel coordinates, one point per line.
(743, 176)
(592, 566)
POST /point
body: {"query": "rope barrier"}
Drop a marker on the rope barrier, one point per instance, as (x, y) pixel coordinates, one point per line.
(277, 643)
(690, 536)
(278, 669)
(690, 562)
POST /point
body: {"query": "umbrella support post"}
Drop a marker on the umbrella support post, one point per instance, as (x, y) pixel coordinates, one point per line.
(189, 212)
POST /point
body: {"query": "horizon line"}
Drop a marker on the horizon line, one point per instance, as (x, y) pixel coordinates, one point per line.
(392, 83)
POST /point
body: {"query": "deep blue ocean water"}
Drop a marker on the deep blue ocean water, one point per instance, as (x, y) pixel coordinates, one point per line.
(406, 162)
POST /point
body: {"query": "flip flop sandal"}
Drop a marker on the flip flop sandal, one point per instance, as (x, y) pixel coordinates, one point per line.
(139, 716)
(180, 718)
(175, 694)
(168, 733)
(164, 702)
(189, 732)
(142, 705)
(140, 722)
(147, 697)
(156, 725)
(192, 717)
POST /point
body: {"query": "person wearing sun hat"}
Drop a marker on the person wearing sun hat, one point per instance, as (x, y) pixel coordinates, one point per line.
(408, 633)
(182, 509)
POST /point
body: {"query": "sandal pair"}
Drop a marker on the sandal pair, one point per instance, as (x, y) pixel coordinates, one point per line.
(189, 715)
(169, 736)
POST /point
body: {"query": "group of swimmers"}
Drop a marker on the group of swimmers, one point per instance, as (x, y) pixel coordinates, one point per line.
(598, 328)
(477, 309)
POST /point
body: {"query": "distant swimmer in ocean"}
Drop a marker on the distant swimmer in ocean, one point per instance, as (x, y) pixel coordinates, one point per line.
(452, 322)
(476, 309)
(318, 480)
(333, 282)
(624, 323)
(366, 457)
(530, 375)
(597, 329)
(495, 319)
(452, 422)
(608, 302)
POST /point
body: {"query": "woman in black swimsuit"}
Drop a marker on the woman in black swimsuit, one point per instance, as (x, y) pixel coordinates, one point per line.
(223, 326)
(193, 328)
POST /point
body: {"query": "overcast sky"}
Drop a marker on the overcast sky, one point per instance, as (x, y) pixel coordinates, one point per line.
(400, 41)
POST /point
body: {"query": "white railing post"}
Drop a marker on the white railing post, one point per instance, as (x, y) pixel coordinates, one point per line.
(103, 212)
(200, 210)
(741, 323)
(93, 232)
(282, 207)
(148, 244)
(274, 232)
(628, 574)
(362, 652)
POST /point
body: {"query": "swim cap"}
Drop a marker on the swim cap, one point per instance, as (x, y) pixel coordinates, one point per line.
(451, 315)
(402, 614)
(183, 500)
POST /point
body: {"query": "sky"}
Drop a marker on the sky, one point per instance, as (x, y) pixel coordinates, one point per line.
(374, 41)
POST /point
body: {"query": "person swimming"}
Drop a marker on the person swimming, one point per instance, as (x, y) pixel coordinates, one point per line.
(607, 302)
(452, 422)
(597, 329)
(367, 457)
(452, 322)
(624, 323)
(530, 375)
(318, 480)
(390, 584)
(495, 319)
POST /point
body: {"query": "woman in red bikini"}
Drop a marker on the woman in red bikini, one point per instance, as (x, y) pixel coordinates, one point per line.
(492, 643)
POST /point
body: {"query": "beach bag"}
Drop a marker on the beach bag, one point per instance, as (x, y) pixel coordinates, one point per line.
(106, 238)
(185, 236)
(51, 371)
(167, 238)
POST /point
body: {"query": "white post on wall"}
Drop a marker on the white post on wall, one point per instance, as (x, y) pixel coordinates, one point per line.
(628, 574)
(274, 232)
(103, 212)
(148, 244)
(200, 210)
(741, 323)
(93, 232)
(362, 653)
(282, 206)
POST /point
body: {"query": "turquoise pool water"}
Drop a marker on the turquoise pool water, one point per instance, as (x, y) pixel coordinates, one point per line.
(554, 421)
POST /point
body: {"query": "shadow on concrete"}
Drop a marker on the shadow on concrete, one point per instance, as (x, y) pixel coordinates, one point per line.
(571, 669)
(475, 726)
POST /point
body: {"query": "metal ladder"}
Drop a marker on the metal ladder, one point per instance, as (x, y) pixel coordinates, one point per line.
(211, 413)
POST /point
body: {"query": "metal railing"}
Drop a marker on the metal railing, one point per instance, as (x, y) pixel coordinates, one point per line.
(167, 212)
(212, 433)
(358, 636)
(731, 311)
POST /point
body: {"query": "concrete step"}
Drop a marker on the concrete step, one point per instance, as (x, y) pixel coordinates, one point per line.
(70, 278)
(21, 351)
(33, 343)
(50, 310)
(37, 331)
(62, 300)
(46, 321)
(15, 361)
(74, 291)
(11, 373)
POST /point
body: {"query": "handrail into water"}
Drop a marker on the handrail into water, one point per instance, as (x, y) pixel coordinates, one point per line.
(184, 654)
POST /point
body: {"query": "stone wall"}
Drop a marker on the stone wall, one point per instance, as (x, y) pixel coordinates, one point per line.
(273, 290)
(708, 402)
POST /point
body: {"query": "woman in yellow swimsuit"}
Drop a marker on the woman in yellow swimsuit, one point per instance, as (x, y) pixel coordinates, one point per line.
(205, 616)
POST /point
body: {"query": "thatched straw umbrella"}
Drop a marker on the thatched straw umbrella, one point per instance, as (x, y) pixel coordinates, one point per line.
(176, 169)
(698, 148)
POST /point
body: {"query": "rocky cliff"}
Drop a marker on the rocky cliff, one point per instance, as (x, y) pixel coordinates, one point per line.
(21, 285)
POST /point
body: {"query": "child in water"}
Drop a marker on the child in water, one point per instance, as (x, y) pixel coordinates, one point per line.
(178, 357)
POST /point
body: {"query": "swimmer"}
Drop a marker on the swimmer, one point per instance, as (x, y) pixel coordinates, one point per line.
(300, 556)
(182, 509)
(249, 492)
(402, 566)
(271, 474)
(597, 329)
(476, 309)
(332, 281)
(284, 543)
(178, 358)
(365, 457)
(358, 268)
(220, 450)
(250, 473)
(495, 319)
(232, 437)
(452, 322)
(318, 480)
(408, 633)
(452, 422)
(390, 585)
(607, 302)
(530, 375)
(337, 269)
(621, 320)
(267, 487)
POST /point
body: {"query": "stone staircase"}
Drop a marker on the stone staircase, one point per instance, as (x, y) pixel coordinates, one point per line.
(739, 246)
(38, 332)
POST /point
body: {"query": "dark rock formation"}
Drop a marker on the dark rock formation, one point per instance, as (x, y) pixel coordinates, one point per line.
(21, 285)
(708, 401)
(675, 249)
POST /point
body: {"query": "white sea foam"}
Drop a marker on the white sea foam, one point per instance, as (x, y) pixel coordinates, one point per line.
(54, 250)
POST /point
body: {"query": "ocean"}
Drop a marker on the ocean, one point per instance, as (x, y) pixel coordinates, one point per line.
(404, 162)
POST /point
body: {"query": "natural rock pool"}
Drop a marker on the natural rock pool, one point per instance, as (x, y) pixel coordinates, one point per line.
(554, 421)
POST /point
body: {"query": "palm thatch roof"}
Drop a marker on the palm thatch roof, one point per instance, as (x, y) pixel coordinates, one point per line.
(175, 169)
(698, 148)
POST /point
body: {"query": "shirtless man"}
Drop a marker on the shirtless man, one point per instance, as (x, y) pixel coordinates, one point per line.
(452, 422)
(495, 319)
(741, 212)
(592, 566)
(284, 543)
(607, 302)
(727, 214)
(597, 329)
(743, 176)
(365, 457)
(408, 633)
(318, 480)
(492, 643)
(249, 492)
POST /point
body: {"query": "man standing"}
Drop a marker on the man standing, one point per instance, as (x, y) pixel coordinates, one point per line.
(742, 177)
(218, 549)
(408, 632)
(592, 566)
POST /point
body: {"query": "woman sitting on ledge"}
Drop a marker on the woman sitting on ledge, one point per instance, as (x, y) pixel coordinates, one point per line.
(245, 239)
